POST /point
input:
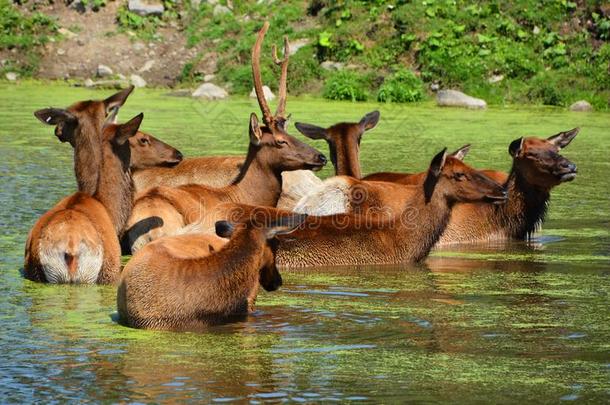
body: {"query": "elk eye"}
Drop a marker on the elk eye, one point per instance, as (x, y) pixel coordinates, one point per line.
(459, 176)
(144, 141)
(282, 142)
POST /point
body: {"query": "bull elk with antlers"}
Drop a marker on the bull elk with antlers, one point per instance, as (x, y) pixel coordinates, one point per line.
(162, 211)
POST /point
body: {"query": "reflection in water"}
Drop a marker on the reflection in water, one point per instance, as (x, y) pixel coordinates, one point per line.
(476, 323)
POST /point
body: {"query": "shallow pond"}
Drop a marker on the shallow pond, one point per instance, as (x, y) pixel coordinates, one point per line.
(479, 323)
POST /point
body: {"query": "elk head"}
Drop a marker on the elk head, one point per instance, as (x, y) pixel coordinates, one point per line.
(343, 141)
(93, 114)
(263, 229)
(148, 151)
(459, 182)
(118, 136)
(283, 152)
(538, 160)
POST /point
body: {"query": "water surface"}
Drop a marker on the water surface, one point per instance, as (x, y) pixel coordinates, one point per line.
(477, 323)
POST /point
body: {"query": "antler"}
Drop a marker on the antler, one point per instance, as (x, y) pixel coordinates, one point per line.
(256, 75)
(281, 107)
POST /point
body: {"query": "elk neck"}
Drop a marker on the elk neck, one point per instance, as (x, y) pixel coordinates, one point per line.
(115, 187)
(346, 160)
(526, 207)
(87, 155)
(259, 182)
(423, 223)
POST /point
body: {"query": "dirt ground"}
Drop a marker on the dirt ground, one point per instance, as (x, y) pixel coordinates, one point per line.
(97, 41)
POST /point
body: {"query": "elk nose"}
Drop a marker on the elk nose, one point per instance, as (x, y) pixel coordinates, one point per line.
(179, 156)
(322, 159)
(569, 166)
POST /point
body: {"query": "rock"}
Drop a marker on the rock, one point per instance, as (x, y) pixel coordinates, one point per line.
(79, 5)
(209, 78)
(219, 9)
(138, 46)
(67, 33)
(146, 7)
(435, 87)
(137, 81)
(210, 91)
(536, 30)
(297, 44)
(581, 106)
(89, 83)
(11, 76)
(330, 65)
(454, 98)
(180, 93)
(103, 71)
(61, 52)
(80, 42)
(495, 79)
(267, 91)
(121, 76)
(147, 66)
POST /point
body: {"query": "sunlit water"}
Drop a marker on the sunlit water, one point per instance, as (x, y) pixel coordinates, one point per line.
(479, 323)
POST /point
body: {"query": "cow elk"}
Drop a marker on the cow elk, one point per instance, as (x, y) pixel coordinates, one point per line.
(76, 241)
(162, 211)
(166, 286)
(376, 237)
(343, 142)
(81, 125)
(537, 168)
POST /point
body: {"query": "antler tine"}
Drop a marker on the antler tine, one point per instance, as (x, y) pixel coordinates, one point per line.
(256, 75)
(281, 106)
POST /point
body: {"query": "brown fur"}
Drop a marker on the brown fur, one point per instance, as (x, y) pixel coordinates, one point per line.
(170, 286)
(343, 142)
(81, 126)
(529, 184)
(83, 224)
(376, 236)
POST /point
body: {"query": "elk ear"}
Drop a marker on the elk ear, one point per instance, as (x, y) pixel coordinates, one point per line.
(256, 134)
(434, 172)
(285, 225)
(117, 99)
(461, 153)
(370, 120)
(53, 116)
(563, 139)
(128, 129)
(515, 147)
(311, 131)
(224, 229)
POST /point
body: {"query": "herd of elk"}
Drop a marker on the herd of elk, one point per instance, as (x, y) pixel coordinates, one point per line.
(206, 231)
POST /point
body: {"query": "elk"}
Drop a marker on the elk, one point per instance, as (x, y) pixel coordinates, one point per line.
(344, 194)
(176, 288)
(81, 125)
(537, 168)
(376, 237)
(76, 241)
(343, 142)
(161, 211)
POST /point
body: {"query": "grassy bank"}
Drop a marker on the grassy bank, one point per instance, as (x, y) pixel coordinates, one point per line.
(551, 52)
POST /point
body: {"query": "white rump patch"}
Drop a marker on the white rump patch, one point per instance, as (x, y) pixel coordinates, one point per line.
(88, 262)
(329, 198)
(296, 185)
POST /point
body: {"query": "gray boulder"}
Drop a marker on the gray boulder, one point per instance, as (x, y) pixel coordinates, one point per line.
(145, 7)
(11, 76)
(454, 98)
(103, 71)
(266, 91)
(581, 106)
(330, 65)
(137, 81)
(210, 91)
